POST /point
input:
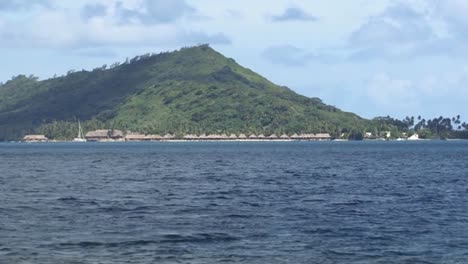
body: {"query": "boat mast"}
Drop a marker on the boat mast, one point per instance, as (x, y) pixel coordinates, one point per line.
(80, 132)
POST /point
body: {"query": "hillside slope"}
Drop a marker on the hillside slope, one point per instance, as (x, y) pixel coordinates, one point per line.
(193, 90)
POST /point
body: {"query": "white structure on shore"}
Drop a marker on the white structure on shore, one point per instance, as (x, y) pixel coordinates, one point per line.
(414, 137)
(35, 138)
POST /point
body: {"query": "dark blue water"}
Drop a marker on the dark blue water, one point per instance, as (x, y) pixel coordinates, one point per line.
(284, 202)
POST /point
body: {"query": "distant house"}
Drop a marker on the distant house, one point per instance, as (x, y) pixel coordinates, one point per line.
(242, 136)
(35, 138)
(136, 137)
(190, 137)
(322, 136)
(105, 135)
(273, 136)
(168, 136)
(154, 137)
(116, 134)
(253, 136)
(98, 135)
(213, 137)
(414, 137)
(295, 136)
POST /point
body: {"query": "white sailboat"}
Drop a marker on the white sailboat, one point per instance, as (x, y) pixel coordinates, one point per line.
(80, 137)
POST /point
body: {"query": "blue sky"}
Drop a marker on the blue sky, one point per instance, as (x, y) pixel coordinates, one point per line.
(385, 57)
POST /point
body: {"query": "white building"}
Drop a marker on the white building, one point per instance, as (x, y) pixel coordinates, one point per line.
(414, 137)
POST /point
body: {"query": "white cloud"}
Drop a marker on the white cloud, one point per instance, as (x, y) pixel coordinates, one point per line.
(294, 14)
(154, 11)
(405, 30)
(386, 92)
(66, 28)
(399, 32)
(453, 15)
(286, 55)
(433, 93)
(17, 5)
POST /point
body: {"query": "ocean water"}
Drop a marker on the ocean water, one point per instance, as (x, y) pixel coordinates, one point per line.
(232, 202)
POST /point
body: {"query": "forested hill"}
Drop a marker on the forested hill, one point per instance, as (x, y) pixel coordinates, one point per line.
(192, 90)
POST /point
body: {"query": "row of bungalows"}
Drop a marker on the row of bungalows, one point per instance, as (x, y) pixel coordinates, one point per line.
(319, 136)
(142, 137)
(221, 137)
(110, 135)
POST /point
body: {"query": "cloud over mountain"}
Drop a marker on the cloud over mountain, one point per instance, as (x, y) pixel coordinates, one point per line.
(294, 14)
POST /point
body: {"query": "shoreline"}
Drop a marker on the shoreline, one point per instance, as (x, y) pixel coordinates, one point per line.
(227, 140)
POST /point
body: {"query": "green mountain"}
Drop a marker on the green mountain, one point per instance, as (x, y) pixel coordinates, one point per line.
(192, 90)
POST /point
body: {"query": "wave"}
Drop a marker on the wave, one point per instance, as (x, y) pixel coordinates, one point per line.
(169, 238)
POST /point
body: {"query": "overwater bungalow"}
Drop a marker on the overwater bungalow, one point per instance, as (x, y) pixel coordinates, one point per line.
(116, 134)
(105, 135)
(190, 137)
(295, 136)
(284, 136)
(98, 135)
(154, 137)
(35, 138)
(273, 136)
(253, 136)
(168, 136)
(136, 137)
(233, 136)
(212, 137)
(242, 136)
(322, 136)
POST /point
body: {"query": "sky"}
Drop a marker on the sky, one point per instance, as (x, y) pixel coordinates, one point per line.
(372, 57)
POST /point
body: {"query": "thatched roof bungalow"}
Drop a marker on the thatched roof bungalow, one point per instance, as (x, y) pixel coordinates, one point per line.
(116, 134)
(322, 136)
(35, 138)
(168, 136)
(98, 135)
(214, 137)
(223, 137)
(319, 136)
(295, 136)
(242, 136)
(233, 136)
(154, 137)
(273, 136)
(252, 136)
(190, 137)
(136, 137)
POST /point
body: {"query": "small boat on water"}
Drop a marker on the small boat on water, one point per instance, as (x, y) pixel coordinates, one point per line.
(80, 137)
